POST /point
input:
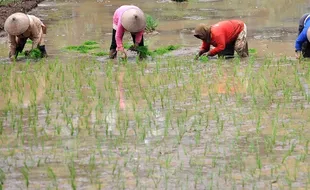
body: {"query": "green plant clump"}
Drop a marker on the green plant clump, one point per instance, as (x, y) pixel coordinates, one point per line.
(81, 48)
(29, 41)
(101, 53)
(35, 54)
(164, 50)
(90, 43)
(204, 59)
(85, 47)
(143, 51)
(252, 51)
(151, 23)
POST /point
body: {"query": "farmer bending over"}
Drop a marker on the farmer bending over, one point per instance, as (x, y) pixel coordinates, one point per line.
(127, 18)
(20, 27)
(225, 36)
(302, 42)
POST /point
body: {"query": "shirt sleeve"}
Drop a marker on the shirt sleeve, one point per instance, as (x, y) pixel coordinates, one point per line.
(139, 36)
(119, 36)
(205, 46)
(221, 44)
(12, 45)
(301, 39)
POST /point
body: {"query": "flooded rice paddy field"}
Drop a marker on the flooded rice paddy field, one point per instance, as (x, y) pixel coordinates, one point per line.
(75, 121)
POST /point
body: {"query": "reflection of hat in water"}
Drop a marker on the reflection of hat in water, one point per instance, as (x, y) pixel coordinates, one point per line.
(133, 20)
(16, 24)
(308, 34)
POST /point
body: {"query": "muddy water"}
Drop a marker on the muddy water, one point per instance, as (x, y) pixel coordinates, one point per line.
(167, 123)
(73, 22)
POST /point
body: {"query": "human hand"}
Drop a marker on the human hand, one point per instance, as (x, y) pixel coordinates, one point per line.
(298, 54)
(12, 56)
(199, 54)
(205, 54)
(124, 53)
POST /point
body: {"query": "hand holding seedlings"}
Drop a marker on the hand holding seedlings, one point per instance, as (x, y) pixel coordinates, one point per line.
(123, 51)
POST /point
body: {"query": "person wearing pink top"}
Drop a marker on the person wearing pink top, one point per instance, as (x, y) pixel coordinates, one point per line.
(127, 18)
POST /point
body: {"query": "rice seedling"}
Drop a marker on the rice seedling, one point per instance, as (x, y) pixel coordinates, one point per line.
(164, 50)
(151, 23)
(25, 173)
(204, 59)
(71, 167)
(174, 114)
(52, 176)
(84, 48)
(2, 178)
(101, 53)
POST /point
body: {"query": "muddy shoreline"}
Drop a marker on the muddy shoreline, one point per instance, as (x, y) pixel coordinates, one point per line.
(20, 6)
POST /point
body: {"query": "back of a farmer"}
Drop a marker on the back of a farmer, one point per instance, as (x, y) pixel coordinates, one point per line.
(127, 18)
(302, 44)
(226, 36)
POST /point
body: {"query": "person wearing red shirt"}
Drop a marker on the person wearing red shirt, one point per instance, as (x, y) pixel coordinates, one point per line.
(226, 36)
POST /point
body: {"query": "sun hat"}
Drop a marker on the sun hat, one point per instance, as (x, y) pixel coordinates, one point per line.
(133, 20)
(16, 24)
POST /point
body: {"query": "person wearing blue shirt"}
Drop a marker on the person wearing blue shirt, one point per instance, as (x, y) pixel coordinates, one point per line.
(302, 44)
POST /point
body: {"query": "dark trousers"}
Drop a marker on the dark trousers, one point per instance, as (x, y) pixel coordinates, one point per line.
(306, 49)
(113, 43)
(20, 45)
(229, 50)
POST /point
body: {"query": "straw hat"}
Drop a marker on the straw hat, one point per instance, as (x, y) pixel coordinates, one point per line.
(16, 24)
(133, 20)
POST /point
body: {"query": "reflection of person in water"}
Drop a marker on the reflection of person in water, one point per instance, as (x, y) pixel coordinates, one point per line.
(226, 36)
(122, 104)
(20, 27)
(302, 44)
(227, 84)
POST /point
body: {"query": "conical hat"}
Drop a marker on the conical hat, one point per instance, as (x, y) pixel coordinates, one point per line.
(16, 24)
(133, 20)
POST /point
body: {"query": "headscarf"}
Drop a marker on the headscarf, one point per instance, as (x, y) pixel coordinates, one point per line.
(203, 32)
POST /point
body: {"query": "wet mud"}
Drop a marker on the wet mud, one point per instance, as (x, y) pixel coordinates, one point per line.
(18, 6)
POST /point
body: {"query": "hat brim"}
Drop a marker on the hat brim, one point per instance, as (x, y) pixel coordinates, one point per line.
(133, 20)
(16, 24)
